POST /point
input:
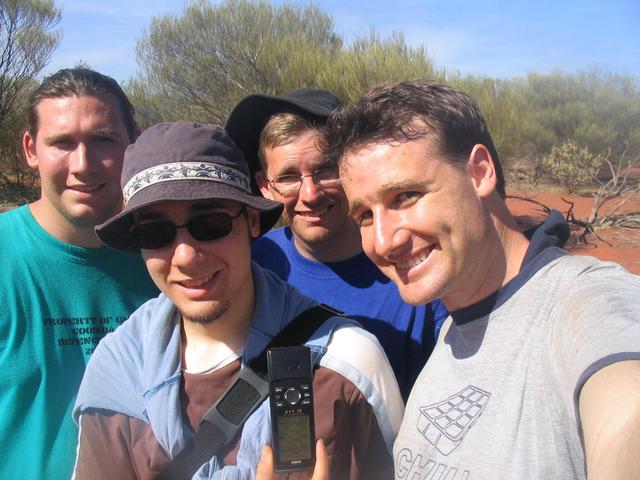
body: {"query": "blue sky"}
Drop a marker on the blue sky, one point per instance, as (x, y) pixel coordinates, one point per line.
(499, 38)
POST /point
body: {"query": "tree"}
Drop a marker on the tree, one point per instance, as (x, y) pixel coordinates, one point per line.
(14, 168)
(197, 65)
(503, 109)
(27, 41)
(600, 110)
(370, 60)
(18, 183)
(202, 62)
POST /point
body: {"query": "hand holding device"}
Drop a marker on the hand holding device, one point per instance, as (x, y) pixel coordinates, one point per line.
(291, 401)
(265, 470)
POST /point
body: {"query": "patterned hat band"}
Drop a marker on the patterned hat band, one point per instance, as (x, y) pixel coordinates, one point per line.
(168, 172)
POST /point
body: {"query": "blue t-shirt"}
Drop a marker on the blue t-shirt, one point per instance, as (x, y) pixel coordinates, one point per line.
(358, 288)
(58, 300)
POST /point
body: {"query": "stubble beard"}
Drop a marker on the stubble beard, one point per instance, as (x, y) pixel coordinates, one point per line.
(210, 317)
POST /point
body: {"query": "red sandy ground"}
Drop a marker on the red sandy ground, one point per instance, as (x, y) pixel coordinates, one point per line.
(624, 245)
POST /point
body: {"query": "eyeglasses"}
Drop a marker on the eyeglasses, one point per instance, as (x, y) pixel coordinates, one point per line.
(204, 228)
(289, 184)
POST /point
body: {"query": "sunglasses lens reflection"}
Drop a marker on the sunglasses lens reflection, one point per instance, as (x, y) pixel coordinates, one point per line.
(152, 235)
(210, 227)
(204, 228)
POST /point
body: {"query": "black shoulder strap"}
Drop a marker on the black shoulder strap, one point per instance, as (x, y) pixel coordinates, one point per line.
(225, 418)
(297, 332)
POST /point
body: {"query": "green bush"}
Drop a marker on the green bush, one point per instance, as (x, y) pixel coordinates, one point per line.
(573, 166)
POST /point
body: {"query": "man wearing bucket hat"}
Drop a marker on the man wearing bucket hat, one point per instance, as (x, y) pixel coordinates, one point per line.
(320, 251)
(190, 211)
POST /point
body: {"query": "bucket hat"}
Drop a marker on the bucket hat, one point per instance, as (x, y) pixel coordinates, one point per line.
(183, 161)
(251, 114)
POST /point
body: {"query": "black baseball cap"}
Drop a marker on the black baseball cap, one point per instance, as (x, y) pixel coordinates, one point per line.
(251, 114)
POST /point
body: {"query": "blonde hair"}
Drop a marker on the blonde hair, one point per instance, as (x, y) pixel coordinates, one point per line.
(283, 128)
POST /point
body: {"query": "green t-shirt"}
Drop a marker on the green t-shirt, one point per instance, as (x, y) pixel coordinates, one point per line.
(56, 302)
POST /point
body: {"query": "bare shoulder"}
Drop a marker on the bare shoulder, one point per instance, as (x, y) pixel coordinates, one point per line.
(610, 420)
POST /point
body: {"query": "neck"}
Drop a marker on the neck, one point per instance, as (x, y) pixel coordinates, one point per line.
(61, 228)
(514, 244)
(505, 248)
(206, 344)
(511, 247)
(201, 350)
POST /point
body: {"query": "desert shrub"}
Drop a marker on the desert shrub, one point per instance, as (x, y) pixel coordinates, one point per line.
(573, 166)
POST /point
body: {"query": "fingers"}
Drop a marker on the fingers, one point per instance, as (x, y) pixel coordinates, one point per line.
(321, 469)
(265, 470)
(265, 466)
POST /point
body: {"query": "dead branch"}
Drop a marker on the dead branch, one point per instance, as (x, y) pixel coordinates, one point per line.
(543, 207)
(588, 228)
(617, 187)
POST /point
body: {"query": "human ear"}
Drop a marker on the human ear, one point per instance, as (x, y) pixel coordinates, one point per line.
(253, 217)
(263, 184)
(482, 170)
(29, 149)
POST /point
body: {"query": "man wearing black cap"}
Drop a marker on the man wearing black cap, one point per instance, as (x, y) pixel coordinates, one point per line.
(190, 211)
(320, 251)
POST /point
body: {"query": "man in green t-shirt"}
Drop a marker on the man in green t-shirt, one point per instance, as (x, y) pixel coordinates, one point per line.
(61, 289)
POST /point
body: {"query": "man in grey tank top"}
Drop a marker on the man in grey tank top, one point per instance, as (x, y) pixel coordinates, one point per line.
(536, 373)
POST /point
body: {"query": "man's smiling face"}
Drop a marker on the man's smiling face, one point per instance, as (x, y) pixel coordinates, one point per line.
(421, 220)
(204, 279)
(317, 214)
(78, 151)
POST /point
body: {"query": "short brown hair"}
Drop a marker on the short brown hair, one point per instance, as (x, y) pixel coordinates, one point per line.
(80, 81)
(399, 111)
(283, 128)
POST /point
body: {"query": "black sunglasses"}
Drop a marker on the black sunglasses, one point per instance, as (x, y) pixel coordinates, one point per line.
(204, 228)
